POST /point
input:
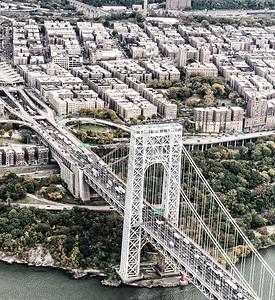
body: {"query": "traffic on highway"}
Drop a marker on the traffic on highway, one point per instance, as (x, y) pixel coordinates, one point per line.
(188, 255)
(180, 246)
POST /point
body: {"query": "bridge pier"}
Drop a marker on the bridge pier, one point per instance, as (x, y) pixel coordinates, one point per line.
(81, 188)
(84, 189)
(165, 268)
(68, 176)
(74, 178)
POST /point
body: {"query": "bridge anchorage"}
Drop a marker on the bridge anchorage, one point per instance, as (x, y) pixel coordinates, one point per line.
(169, 204)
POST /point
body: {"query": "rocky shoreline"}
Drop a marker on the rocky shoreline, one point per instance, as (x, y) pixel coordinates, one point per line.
(40, 257)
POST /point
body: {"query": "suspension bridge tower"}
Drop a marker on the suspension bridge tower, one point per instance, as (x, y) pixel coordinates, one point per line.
(149, 145)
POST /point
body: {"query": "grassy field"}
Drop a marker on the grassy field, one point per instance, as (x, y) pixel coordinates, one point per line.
(91, 127)
(6, 140)
(227, 102)
(30, 200)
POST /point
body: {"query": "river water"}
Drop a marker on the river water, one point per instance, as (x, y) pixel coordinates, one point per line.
(31, 283)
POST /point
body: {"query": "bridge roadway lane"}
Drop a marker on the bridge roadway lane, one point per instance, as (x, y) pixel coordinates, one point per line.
(215, 139)
(188, 256)
(105, 183)
(159, 234)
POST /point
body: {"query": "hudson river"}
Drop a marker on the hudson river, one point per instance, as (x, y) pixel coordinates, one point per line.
(30, 283)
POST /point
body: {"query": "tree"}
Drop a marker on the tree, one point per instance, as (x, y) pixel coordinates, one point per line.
(79, 123)
(133, 121)
(140, 18)
(257, 221)
(106, 23)
(13, 117)
(8, 201)
(256, 154)
(208, 98)
(26, 138)
(141, 118)
(263, 231)
(172, 93)
(267, 152)
(10, 133)
(205, 23)
(218, 89)
(83, 135)
(117, 121)
(7, 126)
(272, 237)
(265, 240)
(184, 93)
(55, 196)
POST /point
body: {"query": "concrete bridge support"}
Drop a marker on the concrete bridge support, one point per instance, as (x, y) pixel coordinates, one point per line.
(81, 188)
(68, 176)
(74, 178)
(165, 268)
(88, 10)
(65, 173)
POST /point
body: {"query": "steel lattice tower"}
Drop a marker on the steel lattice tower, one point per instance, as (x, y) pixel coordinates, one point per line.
(149, 145)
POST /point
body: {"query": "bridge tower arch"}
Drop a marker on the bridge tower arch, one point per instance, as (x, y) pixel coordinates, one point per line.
(150, 144)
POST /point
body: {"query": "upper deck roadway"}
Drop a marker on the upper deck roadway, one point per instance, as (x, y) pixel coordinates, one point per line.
(206, 274)
(188, 257)
(214, 139)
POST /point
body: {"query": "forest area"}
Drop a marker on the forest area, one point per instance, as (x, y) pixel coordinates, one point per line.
(243, 179)
(78, 238)
(234, 4)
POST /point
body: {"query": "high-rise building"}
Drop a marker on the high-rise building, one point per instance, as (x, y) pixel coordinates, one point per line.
(256, 113)
(212, 119)
(178, 4)
(204, 55)
(42, 154)
(19, 157)
(9, 157)
(182, 56)
(30, 155)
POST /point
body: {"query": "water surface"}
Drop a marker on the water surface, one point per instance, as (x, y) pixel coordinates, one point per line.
(31, 283)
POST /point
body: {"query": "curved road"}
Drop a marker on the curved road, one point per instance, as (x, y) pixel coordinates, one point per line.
(51, 205)
(59, 206)
(96, 122)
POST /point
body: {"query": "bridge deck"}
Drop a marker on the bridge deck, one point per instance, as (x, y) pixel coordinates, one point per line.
(206, 274)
